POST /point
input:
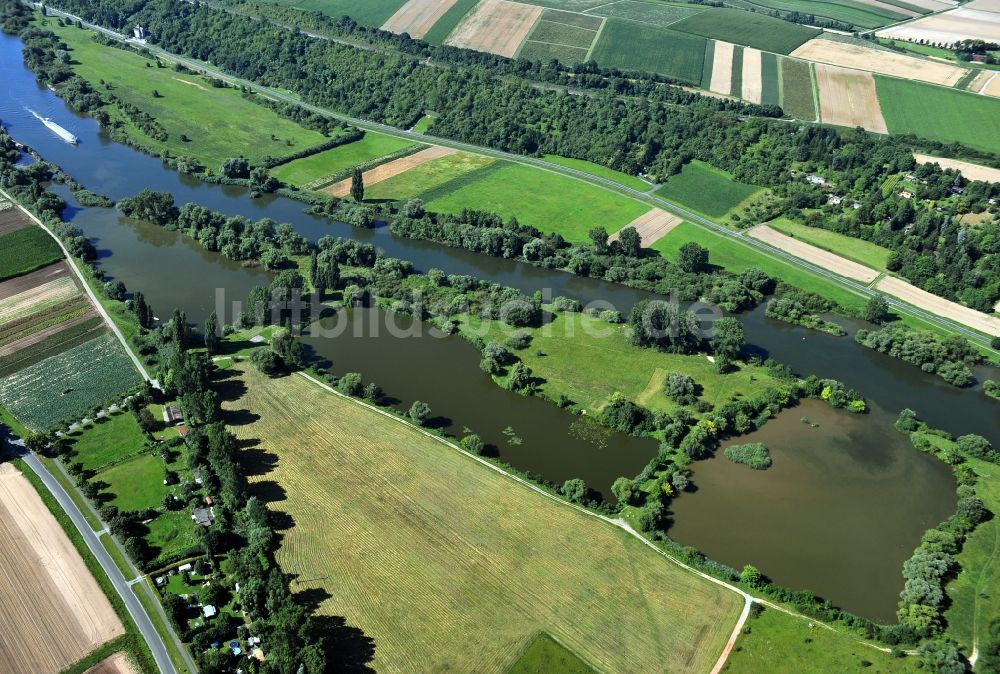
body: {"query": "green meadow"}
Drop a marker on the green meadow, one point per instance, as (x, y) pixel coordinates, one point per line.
(107, 440)
(366, 12)
(308, 169)
(599, 171)
(706, 189)
(939, 113)
(859, 250)
(428, 176)
(217, 122)
(797, 98)
(549, 201)
(135, 484)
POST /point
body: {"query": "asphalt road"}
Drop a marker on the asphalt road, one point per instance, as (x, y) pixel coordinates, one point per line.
(121, 585)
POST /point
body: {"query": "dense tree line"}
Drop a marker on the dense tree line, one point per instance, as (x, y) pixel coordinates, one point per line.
(949, 357)
(802, 308)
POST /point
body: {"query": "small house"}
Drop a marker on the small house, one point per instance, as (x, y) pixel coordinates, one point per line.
(815, 180)
(173, 413)
(906, 194)
(203, 516)
(184, 568)
(834, 200)
(209, 611)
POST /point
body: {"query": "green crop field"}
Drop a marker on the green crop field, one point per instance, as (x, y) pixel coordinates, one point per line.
(797, 98)
(135, 484)
(599, 171)
(366, 12)
(777, 643)
(630, 46)
(736, 76)
(405, 535)
(975, 600)
(548, 201)
(559, 35)
(706, 70)
(706, 189)
(219, 123)
(426, 177)
(308, 169)
(577, 349)
(540, 51)
(443, 26)
(857, 13)
(544, 655)
(736, 257)
(770, 80)
(107, 440)
(753, 30)
(650, 13)
(859, 250)
(25, 250)
(941, 114)
(562, 33)
(573, 18)
(69, 384)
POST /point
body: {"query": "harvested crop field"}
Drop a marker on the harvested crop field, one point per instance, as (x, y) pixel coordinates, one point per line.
(52, 612)
(964, 23)
(969, 170)
(118, 663)
(651, 226)
(751, 85)
(12, 220)
(908, 292)
(495, 26)
(722, 68)
(393, 168)
(849, 98)
(817, 256)
(417, 17)
(879, 61)
(449, 565)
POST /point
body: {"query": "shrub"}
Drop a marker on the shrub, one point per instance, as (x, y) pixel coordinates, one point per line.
(754, 455)
(679, 387)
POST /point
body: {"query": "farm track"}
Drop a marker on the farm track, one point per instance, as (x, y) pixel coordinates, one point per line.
(859, 289)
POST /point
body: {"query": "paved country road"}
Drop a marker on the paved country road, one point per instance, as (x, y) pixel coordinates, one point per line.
(121, 585)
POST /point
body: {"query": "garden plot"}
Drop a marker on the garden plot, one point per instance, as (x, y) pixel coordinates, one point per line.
(651, 226)
(495, 26)
(69, 384)
(393, 168)
(417, 17)
(52, 612)
(37, 300)
(849, 98)
(970, 22)
(817, 256)
(879, 61)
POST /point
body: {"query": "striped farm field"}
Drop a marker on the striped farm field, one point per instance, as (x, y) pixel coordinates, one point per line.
(549, 201)
(428, 176)
(417, 17)
(631, 46)
(449, 565)
(720, 74)
(390, 169)
(443, 26)
(814, 254)
(859, 250)
(649, 13)
(754, 30)
(797, 97)
(331, 162)
(860, 57)
(770, 79)
(860, 13)
(38, 299)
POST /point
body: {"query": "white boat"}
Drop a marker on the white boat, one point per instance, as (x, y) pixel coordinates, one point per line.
(56, 129)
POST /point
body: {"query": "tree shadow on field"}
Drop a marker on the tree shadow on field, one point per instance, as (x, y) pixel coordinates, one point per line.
(239, 417)
(281, 521)
(269, 491)
(230, 388)
(348, 648)
(255, 462)
(310, 598)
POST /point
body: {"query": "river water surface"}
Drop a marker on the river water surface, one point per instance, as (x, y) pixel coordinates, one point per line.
(832, 515)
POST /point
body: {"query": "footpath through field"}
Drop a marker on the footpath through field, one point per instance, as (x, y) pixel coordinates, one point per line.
(851, 285)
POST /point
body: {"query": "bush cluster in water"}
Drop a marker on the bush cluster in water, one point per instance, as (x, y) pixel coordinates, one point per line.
(752, 454)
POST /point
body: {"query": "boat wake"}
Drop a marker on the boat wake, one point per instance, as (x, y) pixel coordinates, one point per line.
(55, 128)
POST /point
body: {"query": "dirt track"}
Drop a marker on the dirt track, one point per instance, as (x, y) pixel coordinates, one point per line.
(417, 17)
(495, 26)
(879, 61)
(652, 226)
(848, 98)
(940, 306)
(52, 611)
(393, 168)
(722, 68)
(969, 170)
(817, 256)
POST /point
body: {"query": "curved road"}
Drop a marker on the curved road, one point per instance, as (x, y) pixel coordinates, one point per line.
(859, 289)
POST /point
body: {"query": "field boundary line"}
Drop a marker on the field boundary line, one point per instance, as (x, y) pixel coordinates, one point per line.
(87, 289)
(597, 37)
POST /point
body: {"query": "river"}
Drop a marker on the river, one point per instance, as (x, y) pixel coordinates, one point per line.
(175, 272)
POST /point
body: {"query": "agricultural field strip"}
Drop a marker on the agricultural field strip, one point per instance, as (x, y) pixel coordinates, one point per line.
(849, 98)
(722, 67)
(602, 182)
(969, 170)
(93, 298)
(495, 26)
(417, 17)
(389, 170)
(651, 226)
(910, 293)
(10, 348)
(949, 27)
(820, 50)
(37, 300)
(751, 86)
(806, 251)
(52, 606)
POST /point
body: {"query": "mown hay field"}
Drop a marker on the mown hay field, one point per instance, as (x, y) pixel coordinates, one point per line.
(849, 98)
(52, 611)
(753, 30)
(417, 17)
(107, 440)
(860, 57)
(549, 201)
(706, 189)
(632, 46)
(332, 162)
(451, 566)
(495, 26)
(936, 113)
(25, 250)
